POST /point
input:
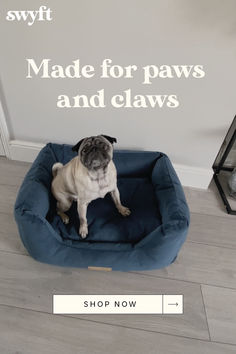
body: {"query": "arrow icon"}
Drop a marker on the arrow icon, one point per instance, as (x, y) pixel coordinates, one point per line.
(176, 304)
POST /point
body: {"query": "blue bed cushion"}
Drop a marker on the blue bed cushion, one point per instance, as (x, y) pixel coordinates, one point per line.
(149, 238)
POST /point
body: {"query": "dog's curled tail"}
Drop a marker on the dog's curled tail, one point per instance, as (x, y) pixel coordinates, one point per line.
(57, 166)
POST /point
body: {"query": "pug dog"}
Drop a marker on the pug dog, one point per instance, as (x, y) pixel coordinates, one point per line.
(88, 176)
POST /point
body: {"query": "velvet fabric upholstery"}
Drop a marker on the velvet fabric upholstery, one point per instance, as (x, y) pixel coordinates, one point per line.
(149, 238)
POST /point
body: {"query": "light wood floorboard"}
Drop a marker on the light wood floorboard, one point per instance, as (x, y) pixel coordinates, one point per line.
(211, 230)
(30, 284)
(206, 202)
(29, 332)
(13, 172)
(8, 195)
(220, 307)
(9, 238)
(202, 264)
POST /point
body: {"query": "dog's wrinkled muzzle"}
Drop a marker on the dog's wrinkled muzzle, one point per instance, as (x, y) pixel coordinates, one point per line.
(96, 158)
(95, 163)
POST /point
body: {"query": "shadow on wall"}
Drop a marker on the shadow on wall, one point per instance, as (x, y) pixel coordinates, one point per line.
(216, 15)
(5, 109)
(212, 132)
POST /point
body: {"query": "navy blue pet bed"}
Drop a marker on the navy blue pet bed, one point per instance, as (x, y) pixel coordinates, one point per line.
(149, 238)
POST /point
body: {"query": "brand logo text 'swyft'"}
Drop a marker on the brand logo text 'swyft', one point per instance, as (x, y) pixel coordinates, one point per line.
(30, 16)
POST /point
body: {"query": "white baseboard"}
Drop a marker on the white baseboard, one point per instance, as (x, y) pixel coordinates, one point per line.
(24, 150)
(195, 177)
(189, 176)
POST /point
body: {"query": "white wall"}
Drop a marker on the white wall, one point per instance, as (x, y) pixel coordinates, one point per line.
(129, 32)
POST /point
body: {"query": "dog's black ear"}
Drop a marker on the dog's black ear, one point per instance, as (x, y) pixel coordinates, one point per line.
(110, 139)
(76, 147)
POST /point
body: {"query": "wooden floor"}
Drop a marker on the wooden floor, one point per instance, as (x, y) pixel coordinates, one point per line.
(204, 272)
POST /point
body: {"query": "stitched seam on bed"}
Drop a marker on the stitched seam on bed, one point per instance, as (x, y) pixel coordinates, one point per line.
(174, 185)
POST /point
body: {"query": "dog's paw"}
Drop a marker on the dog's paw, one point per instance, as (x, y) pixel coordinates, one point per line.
(83, 230)
(65, 218)
(124, 211)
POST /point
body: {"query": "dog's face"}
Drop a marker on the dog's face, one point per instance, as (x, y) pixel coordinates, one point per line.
(95, 152)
